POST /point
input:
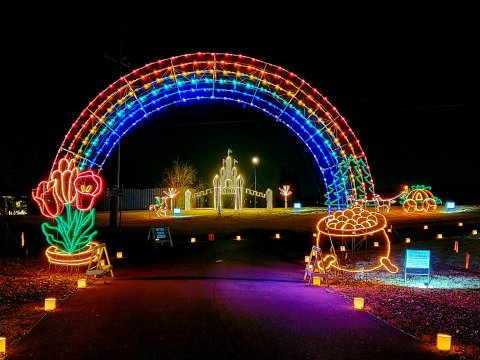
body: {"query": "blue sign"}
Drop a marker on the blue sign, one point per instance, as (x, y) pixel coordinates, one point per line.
(417, 262)
(418, 259)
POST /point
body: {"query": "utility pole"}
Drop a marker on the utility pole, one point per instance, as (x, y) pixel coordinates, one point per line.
(116, 193)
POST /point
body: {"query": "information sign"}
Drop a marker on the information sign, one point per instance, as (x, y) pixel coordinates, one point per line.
(418, 259)
(160, 235)
(417, 262)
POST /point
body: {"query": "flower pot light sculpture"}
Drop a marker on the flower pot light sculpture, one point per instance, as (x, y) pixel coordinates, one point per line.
(67, 197)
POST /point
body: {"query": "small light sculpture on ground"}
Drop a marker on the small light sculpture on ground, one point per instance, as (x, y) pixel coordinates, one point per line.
(50, 304)
(171, 193)
(358, 303)
(450, 205)
(285, 192)
(444, 341)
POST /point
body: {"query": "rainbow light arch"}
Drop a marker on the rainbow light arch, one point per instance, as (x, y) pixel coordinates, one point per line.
(233, 78)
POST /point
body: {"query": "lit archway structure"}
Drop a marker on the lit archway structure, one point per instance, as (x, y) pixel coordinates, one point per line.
(184, 79)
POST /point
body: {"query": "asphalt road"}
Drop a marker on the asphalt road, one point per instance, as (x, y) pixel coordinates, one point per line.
(222, 299)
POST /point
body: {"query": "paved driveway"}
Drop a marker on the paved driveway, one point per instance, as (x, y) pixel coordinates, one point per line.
(214, 300)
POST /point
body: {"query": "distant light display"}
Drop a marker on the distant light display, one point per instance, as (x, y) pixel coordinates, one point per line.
(285, 192)
(237, 79)
(419, 198)
(228, 181)
(377, 201)
(170, 193)
(350, 232)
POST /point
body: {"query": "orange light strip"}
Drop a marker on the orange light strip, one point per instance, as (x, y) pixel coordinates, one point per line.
(83, 257)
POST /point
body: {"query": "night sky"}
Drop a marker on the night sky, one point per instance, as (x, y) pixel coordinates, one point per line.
(405, 77)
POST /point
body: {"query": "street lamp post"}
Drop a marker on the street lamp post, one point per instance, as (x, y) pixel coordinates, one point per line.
(255, 161)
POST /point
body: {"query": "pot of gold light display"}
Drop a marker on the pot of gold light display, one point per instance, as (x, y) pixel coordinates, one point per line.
(358, 303)
(354, 225)
(50, 304)
(444, 341)
(3, 345)
(82, 283)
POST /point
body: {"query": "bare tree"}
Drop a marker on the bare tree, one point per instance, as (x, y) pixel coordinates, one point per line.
(180, 176)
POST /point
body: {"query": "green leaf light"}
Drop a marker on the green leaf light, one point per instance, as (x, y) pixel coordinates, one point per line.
(72, 232)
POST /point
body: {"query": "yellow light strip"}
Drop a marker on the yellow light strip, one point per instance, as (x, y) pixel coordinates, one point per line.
(84, 257)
